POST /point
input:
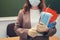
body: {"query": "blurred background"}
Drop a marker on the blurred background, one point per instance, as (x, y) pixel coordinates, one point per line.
(9, 10)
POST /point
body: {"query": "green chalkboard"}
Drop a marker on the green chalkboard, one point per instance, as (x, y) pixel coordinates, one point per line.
(10, 7)
(54, 4)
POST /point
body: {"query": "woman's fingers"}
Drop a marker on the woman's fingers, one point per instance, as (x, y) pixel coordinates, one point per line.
(41, 28)
(32, 33)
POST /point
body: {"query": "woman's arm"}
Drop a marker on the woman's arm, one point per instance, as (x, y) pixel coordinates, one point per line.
(18, 26)
(51, 31)
(42, 28)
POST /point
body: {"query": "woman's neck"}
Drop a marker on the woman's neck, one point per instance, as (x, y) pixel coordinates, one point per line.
(34, 7)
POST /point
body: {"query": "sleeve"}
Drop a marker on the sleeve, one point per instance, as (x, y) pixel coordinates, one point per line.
(20, 31)
(52, 31)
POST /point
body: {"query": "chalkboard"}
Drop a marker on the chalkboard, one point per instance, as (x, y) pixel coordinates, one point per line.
(54, 4)
(10, 7)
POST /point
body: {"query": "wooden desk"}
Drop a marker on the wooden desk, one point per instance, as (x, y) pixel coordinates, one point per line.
(17, 38)
(10, 38)
(54, 38)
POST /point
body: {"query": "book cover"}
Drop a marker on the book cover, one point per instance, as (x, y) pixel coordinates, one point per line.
(45, 17)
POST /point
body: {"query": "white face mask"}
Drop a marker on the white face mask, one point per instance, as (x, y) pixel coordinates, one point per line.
(34, 2)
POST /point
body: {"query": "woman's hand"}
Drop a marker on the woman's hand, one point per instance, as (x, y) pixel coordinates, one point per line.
(32, 32)
(42, 28)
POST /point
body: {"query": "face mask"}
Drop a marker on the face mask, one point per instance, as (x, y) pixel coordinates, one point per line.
(34, 2)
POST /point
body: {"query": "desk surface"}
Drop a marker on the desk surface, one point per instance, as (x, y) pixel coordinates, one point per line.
(10, 38)
(17, 38)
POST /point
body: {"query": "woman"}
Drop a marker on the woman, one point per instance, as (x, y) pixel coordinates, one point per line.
(27, 24)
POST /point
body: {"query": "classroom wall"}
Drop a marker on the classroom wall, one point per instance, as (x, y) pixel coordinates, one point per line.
(3, 28)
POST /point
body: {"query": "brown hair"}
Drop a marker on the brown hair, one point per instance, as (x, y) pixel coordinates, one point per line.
(27, 5)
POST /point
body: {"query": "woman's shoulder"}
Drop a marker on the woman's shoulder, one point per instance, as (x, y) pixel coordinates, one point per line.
(21, 11)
